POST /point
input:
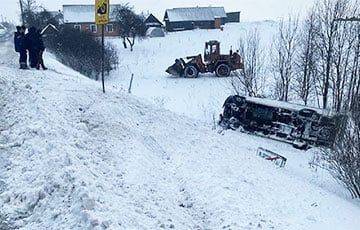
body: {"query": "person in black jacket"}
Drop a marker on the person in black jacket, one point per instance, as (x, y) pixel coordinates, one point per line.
(41, 51)
(20, 46)
(33, 45)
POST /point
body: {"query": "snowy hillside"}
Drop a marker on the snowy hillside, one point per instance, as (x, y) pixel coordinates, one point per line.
(199, 98)
(74, 158)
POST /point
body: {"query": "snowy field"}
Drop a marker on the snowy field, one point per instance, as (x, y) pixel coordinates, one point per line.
(200, 98)
(74, 158)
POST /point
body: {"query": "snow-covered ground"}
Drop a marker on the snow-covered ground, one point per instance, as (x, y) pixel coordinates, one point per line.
(74, 158)
(198, 98)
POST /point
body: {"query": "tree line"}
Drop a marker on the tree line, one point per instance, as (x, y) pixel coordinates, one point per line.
(317, 62)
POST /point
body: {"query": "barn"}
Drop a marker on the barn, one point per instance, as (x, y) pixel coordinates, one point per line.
(178, 19)
(82, 17)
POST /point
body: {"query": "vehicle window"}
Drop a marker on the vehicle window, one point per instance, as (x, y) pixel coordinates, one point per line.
(214, 49)
(207, 50)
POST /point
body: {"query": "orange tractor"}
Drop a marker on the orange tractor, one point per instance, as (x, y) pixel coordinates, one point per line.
(214, 62)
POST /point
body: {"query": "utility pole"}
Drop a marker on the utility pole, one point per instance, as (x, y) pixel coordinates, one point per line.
(22, 12)
(102, 58)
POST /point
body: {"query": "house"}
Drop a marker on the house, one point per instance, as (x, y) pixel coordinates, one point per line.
(50, 28)
(233, 17)
(178, 19)
(82, 17)
(152, 21)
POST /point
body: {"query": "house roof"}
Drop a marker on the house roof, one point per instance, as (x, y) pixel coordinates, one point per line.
(152, 20)
(82, 13)
(194, 14)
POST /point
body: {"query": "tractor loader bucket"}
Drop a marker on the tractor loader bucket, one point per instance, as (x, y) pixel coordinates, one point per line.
(177, 69)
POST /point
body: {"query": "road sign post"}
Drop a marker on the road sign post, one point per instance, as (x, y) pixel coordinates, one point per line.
(102, 8)
(102, 58)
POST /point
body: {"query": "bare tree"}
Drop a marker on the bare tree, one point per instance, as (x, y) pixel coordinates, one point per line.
(283, 57)
(250, 80)
(353, 72)
(343, 47)
(132, 25)
(29, 5)
(327, 12)
(28, 9)
(306, 63)
(354, 85)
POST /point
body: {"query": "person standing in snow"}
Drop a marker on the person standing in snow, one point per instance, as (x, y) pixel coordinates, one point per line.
(41, 51)
(20, 46)
(33, 45)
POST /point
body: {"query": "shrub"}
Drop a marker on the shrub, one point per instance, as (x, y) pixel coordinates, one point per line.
(81, 51)
(344, 158)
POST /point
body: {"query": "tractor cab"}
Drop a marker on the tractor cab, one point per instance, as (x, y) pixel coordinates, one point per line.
(212, 51)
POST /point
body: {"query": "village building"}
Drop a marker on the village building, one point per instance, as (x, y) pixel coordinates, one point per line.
(82, 17)
(233, 17)
(178, 19)
(152, 21)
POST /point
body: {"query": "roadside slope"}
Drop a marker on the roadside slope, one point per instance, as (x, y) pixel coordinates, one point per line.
(72, 157)
(197, 98)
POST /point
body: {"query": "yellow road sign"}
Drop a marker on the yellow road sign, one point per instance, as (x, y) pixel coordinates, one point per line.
(102, 8)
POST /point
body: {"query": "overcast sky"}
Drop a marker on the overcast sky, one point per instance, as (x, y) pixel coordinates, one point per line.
(252, 10)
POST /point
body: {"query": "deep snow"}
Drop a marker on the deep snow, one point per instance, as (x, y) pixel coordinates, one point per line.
(197, 98)
(74, 158)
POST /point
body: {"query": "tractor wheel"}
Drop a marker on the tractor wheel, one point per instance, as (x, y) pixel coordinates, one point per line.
(191, 72)
(223, 70)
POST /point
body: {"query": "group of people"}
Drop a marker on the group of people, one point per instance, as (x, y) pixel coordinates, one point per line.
(32, 43)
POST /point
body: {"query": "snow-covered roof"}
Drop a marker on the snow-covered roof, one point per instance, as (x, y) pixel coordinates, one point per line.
(82, 13)
(152, 20)
(195, 14)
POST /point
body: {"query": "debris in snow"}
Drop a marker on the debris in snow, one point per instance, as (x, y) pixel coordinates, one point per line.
(271, 156)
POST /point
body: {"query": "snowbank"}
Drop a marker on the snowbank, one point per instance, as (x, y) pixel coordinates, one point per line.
(74, 158)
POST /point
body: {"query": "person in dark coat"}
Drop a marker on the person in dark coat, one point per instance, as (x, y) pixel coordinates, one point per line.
(41, 51)
(20, 46)
(33, 45)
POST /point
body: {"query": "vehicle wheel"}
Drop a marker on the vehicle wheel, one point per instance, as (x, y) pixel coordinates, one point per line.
(234, 123)
(191, 72)
(223, 70)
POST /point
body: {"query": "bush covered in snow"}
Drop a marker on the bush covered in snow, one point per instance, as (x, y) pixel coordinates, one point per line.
(344, 158)
(81, 51)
